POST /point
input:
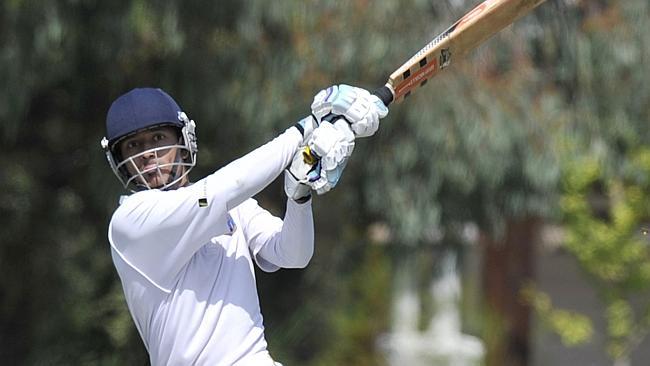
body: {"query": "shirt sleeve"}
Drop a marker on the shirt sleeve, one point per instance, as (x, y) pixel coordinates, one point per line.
(276, 243)
(157, 232)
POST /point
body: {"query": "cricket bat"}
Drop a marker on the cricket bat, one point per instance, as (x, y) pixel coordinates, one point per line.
(475, 27)
(482, 22)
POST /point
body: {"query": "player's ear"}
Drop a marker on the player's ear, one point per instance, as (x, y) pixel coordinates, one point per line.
(185, 154)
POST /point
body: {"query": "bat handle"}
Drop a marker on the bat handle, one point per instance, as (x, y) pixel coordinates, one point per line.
(385, 94)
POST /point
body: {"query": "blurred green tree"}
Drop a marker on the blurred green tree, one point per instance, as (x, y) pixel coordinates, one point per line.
(604, 202)
(604, 216)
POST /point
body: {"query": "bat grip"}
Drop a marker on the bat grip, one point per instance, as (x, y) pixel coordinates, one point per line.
(385, 94)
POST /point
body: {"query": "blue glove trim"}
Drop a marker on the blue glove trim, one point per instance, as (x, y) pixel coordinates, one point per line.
(314, 173)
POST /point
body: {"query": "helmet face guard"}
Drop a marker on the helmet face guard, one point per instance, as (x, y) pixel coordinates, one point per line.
(137, 180)
(134, 179)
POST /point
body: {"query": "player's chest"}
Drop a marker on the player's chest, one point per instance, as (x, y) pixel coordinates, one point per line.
(227, 248)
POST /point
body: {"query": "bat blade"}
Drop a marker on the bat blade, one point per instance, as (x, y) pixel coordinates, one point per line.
(467, 33)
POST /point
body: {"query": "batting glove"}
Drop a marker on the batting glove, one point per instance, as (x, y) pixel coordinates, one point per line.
(360, 108)
(306, 126)
(334, 144)
(295, 187)
(319, 165)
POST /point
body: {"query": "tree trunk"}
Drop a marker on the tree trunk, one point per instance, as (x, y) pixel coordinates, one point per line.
(508, 264)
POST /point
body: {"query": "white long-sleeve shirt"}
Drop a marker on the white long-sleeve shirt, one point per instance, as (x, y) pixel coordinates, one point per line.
(187, 271)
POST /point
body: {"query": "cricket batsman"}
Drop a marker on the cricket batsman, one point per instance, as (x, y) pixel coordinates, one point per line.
(185, 251)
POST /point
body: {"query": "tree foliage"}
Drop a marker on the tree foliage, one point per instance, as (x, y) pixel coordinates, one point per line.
(605, 216)
(604, 200)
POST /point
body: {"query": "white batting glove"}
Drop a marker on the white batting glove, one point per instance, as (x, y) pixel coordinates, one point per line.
(306, 126)
(302, 168)
(295, 179)
(334, 144)
(331, 145)
(362, 109)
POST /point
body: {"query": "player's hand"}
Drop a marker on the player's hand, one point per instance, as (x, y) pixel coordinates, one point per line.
(360, 108)
(306, 126)
(331, 146)
(297, 177)
(293, 187)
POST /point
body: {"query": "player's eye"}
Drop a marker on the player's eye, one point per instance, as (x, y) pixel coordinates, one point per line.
(130, 145)
(159, 137)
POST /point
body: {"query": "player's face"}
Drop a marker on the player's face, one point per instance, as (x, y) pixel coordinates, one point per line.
(148, 154)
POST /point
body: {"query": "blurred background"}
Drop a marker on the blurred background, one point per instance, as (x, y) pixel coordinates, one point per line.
(495, 219)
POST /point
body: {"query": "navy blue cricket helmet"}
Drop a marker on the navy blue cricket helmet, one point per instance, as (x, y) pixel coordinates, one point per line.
(141, 109)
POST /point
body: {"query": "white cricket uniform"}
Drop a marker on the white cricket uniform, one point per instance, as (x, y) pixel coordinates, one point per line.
(187, 271)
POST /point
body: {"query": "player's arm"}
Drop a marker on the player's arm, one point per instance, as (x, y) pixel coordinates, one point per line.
(289, 243)
(339, 114)
(278, 243)
(342, 113)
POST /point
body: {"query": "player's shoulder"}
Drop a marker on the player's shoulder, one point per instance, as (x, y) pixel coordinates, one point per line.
(137, 198)
(131, 204)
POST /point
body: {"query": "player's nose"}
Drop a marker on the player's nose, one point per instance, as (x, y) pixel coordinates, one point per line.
(148, 155)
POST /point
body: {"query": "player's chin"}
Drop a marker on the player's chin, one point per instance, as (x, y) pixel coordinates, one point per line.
(157, 179)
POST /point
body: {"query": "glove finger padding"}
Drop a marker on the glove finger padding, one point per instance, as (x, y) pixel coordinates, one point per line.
(322, 104)
(362, 109)
(328, 178)
(334, 144)
(351, 102)
(367, 113)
